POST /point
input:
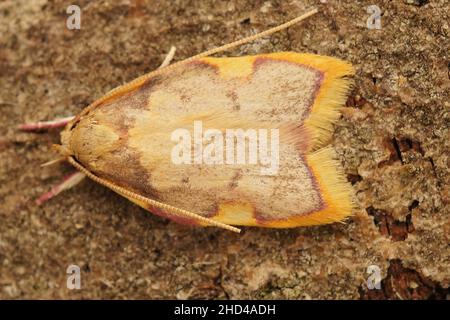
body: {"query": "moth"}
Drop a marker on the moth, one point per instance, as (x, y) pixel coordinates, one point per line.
(232, 141)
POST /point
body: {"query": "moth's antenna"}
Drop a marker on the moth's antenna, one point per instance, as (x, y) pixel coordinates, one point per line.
(254, 37)
(164, 206)
(138, 81)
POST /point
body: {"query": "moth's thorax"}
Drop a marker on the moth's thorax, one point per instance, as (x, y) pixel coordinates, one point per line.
(90, 140)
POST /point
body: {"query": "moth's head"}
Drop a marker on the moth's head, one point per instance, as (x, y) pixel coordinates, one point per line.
(64, 148)
(87, 139)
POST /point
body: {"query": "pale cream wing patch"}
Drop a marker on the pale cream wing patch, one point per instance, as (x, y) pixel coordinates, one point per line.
(278, 91)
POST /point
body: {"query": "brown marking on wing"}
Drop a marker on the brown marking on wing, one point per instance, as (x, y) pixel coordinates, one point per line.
(137, 98)
(235, 180)
(132, 176)
(201, 64)
(234, 97)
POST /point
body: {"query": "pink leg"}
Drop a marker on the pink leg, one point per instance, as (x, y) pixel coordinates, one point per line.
(68, 182)
(57, 123)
